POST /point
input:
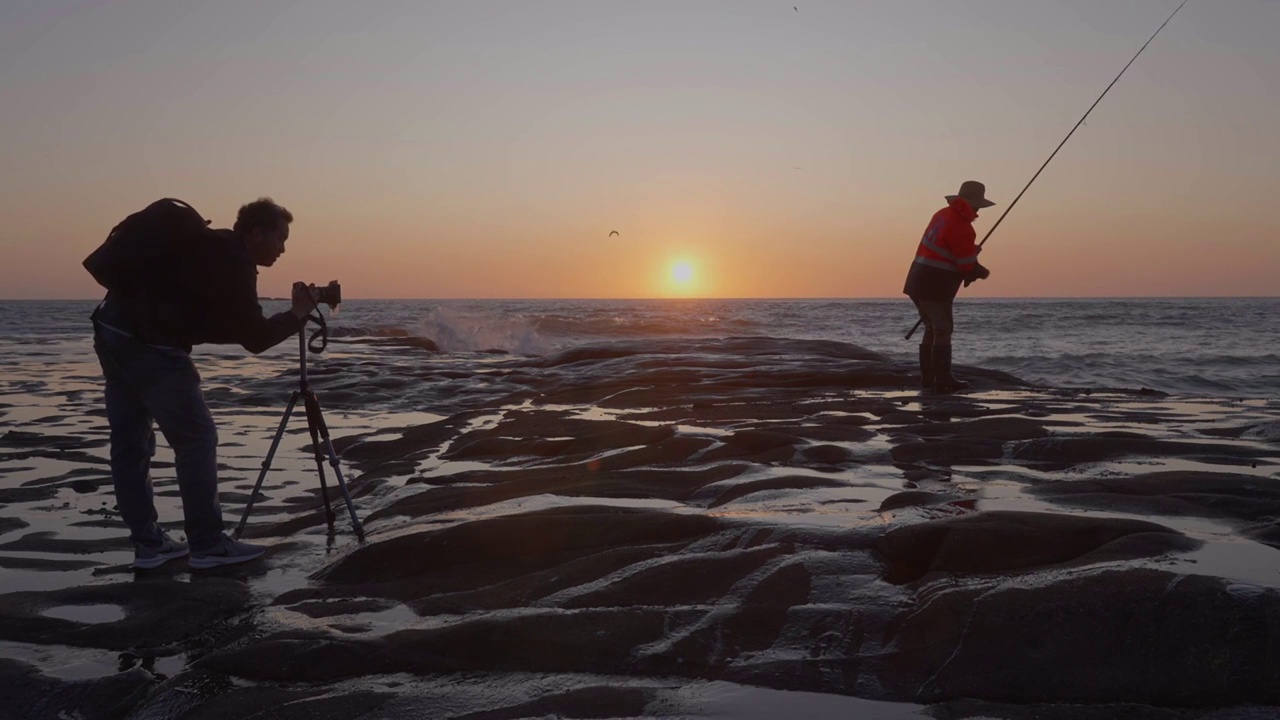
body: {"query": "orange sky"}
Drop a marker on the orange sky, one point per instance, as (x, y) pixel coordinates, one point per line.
(487, 149)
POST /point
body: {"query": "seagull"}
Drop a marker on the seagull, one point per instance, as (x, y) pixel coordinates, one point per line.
(612, 233)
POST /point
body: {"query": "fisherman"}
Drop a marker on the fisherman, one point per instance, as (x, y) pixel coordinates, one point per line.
(946, 258)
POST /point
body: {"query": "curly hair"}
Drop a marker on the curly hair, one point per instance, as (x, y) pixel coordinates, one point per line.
(261, 213)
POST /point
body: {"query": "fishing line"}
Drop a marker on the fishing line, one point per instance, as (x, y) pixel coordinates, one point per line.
(1064, 142)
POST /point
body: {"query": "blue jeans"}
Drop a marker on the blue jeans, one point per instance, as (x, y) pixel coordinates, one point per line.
(146, 383)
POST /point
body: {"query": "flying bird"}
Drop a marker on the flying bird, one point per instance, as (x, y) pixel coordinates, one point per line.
(612, 233)
(793, 7)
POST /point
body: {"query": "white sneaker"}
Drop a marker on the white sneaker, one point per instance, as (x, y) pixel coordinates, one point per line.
(146, 557)
(226, 552)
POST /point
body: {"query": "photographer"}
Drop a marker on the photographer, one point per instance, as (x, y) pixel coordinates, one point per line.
(200, 287)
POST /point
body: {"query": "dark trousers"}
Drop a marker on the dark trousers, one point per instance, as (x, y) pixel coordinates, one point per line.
(938, 321)
(146, 383)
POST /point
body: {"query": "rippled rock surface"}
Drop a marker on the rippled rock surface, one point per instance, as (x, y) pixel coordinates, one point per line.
(674, 528)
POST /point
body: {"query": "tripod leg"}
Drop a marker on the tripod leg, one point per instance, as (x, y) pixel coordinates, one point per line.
(315, 422)
(313, 405)
(266, 464)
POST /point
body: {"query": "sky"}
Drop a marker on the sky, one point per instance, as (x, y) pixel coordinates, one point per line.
(740, 148)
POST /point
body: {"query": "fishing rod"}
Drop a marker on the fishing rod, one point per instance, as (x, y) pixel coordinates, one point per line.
(915, 327)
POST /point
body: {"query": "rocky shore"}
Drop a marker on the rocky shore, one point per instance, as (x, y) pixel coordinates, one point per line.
(734, 528)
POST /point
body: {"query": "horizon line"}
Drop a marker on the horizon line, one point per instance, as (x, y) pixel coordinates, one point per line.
(739, 297)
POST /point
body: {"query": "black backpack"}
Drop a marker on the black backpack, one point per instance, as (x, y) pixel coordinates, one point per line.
(151, 251)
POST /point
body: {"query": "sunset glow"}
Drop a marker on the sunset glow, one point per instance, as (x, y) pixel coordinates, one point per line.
(457, 150)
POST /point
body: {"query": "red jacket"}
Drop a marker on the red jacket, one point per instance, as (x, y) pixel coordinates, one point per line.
(948, 242)
(946, 254)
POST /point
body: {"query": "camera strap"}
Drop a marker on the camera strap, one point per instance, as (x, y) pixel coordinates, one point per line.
(319, 339)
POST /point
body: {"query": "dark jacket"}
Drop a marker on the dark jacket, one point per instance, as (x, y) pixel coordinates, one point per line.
(215, 302)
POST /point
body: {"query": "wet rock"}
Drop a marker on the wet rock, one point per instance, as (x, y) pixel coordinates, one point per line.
(26, 494)
(982, 710)
(535, 588)
(917, 498)
(687, 579)
(645, 640)
(545, 435)
(783, 590)
(45, 564)
(1130, 636)
(1176, 492)
(1233, 432)
(994, 429)
(717, 496)
(635, 392)
(495, 549)
(319, 609)
(817, 650)
(827, 455)
(727, 409)
(9, 524)
(49, 542)
(419, 343)
(577, 480)
(755, 624)
(1268, 534)
(62, 454)
(761, 446)
(1006, 541)
(917, 474)
(754, 441)
(587, 354)
(43, 441)
(671, 451)
(846, 432)
(1075, 450)
(61, 480)
(277, 704)
(28, 693)
(413, 441)
(898, 417)
(231, 497)
(587, 641)
(157, 612)
(1266, 432)
(592, 702)
(947, 451)
(761, 345)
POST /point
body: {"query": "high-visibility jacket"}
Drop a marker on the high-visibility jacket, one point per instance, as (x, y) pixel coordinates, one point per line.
(946, 254)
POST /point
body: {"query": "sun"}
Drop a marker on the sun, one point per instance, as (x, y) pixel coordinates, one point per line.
(682, 274)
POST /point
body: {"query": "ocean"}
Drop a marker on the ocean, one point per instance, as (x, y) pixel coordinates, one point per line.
(1218, 348)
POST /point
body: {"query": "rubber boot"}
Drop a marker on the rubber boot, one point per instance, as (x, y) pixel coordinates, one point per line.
(943, 380)
(926, 366)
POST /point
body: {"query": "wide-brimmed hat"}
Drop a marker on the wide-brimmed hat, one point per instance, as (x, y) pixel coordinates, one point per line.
(974, 192)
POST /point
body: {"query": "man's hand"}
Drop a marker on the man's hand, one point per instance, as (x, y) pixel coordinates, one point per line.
(304, 299)
(977, 273)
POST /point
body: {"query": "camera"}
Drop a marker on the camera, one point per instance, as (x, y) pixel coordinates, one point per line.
(330, 294)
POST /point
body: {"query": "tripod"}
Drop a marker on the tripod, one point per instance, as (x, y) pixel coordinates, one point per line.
(319, 431)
